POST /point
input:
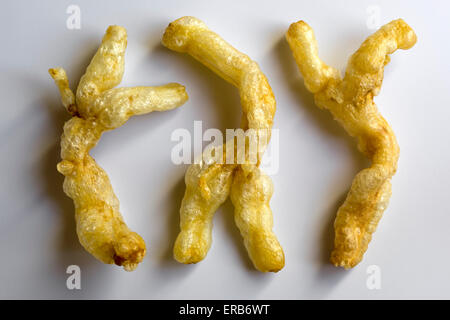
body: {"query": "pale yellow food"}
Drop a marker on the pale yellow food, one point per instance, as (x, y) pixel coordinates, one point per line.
(209, 184)
(98, 108)
(350, 100)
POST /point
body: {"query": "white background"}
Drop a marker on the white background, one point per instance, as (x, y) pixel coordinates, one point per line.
(317, 159)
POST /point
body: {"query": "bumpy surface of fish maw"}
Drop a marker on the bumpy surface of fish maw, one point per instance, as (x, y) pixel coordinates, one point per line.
(350, 100)
(98, 108)
(208, 184)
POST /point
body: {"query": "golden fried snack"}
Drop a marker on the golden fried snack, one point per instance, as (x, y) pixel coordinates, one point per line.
(98, 108)
(208, 184)
(350, 101)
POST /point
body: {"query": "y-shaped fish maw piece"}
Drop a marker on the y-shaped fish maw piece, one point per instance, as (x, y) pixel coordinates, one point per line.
(98, 108)
(351, 103)
(208, 184)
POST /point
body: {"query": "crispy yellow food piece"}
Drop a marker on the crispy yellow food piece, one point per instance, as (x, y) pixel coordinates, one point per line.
(350, 101)
(209, 184)
(98, 108)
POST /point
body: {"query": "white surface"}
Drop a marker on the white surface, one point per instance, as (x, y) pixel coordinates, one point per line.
(317, 160)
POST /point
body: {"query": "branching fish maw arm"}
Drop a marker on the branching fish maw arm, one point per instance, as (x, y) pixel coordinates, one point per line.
(105, 70)
(115, 106)
(208, 185)
(350, 101)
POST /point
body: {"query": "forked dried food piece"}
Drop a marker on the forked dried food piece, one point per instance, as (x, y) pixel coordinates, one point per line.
(350, 100)
(98, 108)
(208, 184)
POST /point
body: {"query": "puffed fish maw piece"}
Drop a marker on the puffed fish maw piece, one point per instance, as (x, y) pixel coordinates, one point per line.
(350, 101)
